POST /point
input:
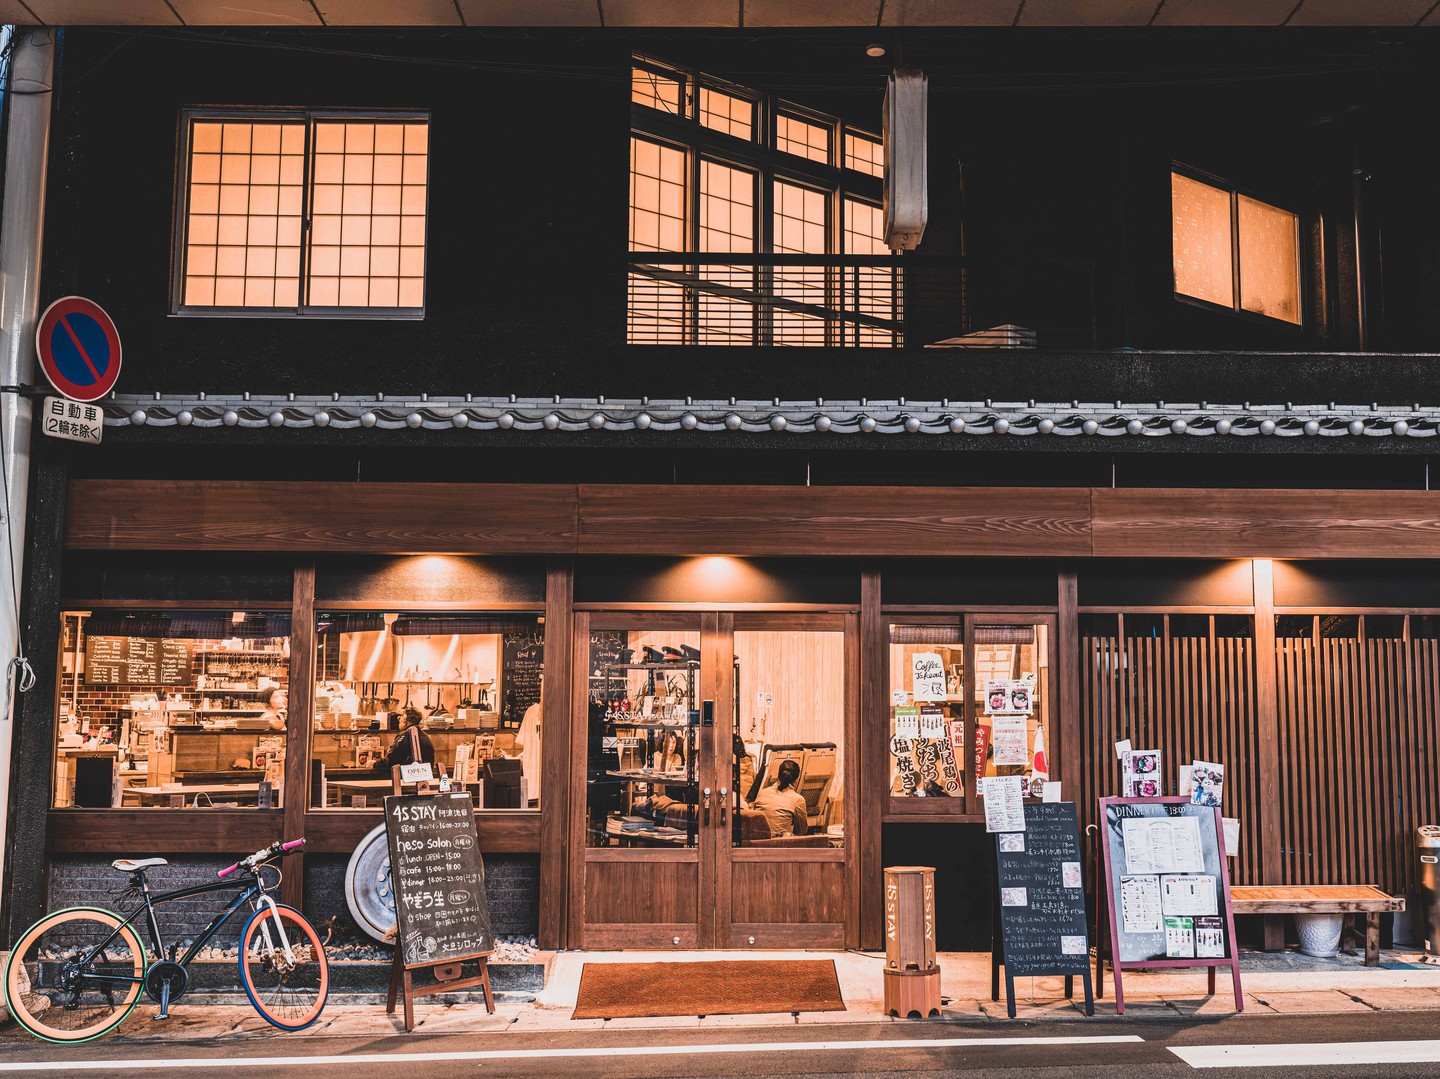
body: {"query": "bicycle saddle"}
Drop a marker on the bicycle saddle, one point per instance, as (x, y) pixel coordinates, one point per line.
(129, 865)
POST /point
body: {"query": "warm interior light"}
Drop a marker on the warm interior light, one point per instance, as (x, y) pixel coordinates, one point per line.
(236, 617)
(875, 50)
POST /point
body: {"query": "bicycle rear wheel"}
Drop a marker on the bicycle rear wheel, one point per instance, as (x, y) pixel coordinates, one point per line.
(53, 983)
(288, 993)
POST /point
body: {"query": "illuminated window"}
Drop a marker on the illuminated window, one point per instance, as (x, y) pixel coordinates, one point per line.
(248, 186)
(726, 112)
(655, 90)
(731, 244)
(1233, 250)
(864, 154)
(796, 136)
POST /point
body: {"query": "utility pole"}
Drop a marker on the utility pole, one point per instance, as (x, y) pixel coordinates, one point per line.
(29, 75)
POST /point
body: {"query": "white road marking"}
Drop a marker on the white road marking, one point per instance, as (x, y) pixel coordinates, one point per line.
(1316, 1054)
(349, 1060)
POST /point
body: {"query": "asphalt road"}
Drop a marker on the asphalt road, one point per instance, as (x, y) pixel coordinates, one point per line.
(1392, 1044)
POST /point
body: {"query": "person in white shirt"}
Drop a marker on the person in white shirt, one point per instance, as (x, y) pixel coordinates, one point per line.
(784, 807)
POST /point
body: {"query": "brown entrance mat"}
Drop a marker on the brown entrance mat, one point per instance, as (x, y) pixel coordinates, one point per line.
(630, 990)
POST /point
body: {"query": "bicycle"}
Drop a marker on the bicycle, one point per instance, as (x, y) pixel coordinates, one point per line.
(86, 966)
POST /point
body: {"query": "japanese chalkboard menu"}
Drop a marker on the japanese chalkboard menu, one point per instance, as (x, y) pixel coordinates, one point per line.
(438, 877)
(524, 667)
(1167, 888)
(137, 660)
(1043, 929)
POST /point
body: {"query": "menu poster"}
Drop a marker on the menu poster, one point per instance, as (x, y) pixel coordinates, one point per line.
(1189, 895)
(1209, 937)
(1004, 805)
(927, 676)
(907, 722)
(903, 751)
(982, 751)
(1142, 774)
(1140, 903)
(439, 879)
(1011, 741)
(1162, 845)
(932, 721)
(1179, 938)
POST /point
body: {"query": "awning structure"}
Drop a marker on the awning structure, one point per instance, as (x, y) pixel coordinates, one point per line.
(721, 13)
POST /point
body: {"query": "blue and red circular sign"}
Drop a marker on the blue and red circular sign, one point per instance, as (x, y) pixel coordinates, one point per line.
(79, 348)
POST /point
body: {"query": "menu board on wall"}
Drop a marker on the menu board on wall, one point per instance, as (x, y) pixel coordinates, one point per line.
(523, 669)
(441, 911)
(606, 647)
(137, 660)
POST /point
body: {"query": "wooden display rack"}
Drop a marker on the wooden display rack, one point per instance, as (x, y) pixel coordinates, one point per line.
(447, 975)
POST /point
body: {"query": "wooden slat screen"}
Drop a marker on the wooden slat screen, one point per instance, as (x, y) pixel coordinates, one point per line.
(1358, 738)
(1192, 697)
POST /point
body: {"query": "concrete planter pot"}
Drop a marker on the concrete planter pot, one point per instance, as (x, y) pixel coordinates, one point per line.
(1319, 934)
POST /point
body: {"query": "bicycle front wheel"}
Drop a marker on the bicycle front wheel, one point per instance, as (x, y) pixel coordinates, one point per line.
(75, 975)
(288, 991)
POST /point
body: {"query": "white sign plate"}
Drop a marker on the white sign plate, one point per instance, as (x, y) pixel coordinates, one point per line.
(71, 420)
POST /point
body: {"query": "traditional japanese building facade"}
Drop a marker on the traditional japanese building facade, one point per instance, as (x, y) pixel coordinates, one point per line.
(557, 383)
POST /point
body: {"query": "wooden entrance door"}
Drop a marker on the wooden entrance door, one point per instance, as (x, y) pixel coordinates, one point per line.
(673, 841)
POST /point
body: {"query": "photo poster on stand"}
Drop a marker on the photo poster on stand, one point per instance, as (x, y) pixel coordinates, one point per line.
(1042, 922)
(1167, 890)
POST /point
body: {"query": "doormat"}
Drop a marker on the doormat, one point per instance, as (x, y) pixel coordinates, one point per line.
(631, 990)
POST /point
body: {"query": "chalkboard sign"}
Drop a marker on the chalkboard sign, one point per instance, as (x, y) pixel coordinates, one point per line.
(606, 647)
(523, 668)
(1042, 899)
(1167, 888)
(439, 879)
(137, 660)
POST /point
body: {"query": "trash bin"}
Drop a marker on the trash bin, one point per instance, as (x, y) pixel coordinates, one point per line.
(1427, 843)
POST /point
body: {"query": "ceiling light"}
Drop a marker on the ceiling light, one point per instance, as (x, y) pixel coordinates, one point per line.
(875, 51)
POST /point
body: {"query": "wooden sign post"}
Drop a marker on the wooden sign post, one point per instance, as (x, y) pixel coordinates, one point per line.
(442, 919)
(1167, 888)
(1041, 903)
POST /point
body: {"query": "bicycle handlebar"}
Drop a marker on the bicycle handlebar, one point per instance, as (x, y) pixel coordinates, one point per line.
(262, 855)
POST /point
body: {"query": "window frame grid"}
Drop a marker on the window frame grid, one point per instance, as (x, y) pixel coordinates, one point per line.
(1234, 192)
(760, 156)
(180, 229)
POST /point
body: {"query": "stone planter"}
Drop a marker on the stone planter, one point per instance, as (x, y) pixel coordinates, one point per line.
(1319, 934)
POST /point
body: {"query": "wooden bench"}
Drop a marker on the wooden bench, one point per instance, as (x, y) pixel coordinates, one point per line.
(1273, 901)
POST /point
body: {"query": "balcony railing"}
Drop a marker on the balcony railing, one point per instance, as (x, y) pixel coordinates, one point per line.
(806, 300)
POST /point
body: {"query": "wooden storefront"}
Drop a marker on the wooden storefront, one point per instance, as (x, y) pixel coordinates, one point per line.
(1158, 610)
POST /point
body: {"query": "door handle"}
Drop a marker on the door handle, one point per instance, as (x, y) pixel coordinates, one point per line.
(707, 805)
(724, 803)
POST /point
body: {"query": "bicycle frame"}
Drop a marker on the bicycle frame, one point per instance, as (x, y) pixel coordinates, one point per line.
(248, 890)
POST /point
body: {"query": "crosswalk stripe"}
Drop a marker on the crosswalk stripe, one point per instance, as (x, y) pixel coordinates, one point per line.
(1308, 1054)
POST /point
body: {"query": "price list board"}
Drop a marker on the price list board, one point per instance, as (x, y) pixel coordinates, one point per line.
(439, 879)
(137, 661)
(524, 668)
(1043, 928)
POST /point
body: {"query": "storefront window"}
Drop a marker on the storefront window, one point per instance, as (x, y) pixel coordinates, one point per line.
(459, 691)
(1003, 677)
(789, 738)
(172, 709)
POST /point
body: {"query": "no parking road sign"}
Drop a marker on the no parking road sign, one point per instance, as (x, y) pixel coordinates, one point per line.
(79, 348)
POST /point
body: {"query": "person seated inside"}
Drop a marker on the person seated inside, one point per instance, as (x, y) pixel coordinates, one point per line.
(784, 807)
(410, 746)
(275, 706)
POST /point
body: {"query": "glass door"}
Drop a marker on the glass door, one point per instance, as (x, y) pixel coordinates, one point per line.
(783, 775)
(637, 759)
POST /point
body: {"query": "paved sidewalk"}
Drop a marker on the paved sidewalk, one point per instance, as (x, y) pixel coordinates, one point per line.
(1273, 984)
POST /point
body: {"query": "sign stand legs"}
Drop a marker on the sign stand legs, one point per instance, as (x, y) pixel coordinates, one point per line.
(447, 980)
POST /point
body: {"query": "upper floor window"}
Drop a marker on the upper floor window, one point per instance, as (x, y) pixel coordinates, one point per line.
(1233, 250)
(303, 213)
(753, 220)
